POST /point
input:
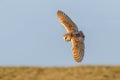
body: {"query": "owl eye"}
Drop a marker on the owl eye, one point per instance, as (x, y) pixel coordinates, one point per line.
(65, 37)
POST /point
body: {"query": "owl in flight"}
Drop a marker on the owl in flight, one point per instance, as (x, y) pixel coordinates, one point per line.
(73, 35)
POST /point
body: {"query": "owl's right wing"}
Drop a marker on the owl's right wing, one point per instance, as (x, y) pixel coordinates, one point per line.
(78, 48)
(66, 22)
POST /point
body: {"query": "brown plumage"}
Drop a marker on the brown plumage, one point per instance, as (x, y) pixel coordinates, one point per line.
(73, 35)
(67, 22)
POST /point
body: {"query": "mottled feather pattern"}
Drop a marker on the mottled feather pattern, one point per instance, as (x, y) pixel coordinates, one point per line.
(73, 35)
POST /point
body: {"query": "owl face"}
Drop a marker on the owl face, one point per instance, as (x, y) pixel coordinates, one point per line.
(67, 37)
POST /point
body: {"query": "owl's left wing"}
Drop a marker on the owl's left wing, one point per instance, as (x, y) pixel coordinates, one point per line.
(66, 22)
(78, 48)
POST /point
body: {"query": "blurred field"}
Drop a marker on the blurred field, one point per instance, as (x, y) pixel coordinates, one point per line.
(61, 73)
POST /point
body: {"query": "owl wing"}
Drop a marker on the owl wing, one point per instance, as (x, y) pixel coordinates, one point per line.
(78, 48)
(66, 22)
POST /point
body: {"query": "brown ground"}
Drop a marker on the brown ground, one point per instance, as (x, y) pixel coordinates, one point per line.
(61, 73)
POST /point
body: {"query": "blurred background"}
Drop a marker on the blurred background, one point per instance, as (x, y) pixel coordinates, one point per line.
(31, 34)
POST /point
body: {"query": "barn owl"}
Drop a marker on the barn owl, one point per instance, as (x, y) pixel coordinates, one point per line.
(73, 35)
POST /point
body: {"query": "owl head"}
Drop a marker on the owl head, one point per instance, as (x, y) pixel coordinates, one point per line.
(67, 37)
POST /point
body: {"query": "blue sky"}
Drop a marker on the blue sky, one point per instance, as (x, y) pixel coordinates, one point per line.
(30, 33)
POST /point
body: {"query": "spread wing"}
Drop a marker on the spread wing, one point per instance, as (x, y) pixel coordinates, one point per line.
(66, 22)
(78, 48)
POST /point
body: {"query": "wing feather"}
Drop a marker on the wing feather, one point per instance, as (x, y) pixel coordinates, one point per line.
(78, 48)
(66, 22)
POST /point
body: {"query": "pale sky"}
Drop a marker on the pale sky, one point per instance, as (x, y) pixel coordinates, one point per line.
(31, 34)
